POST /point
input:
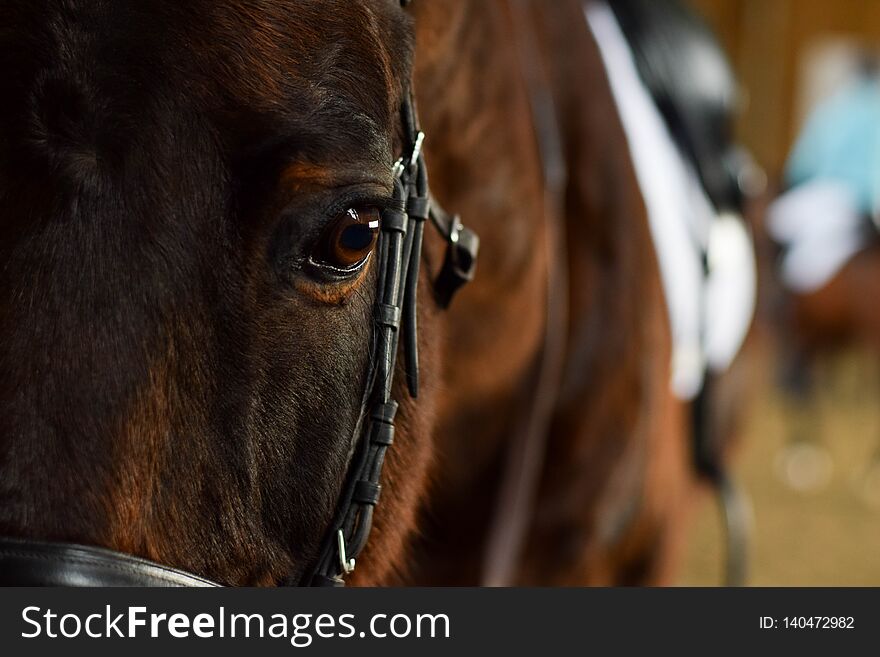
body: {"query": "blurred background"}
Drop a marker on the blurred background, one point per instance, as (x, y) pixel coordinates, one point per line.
(788, 53)
(809, 450)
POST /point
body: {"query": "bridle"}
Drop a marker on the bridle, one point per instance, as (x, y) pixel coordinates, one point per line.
(398, 256)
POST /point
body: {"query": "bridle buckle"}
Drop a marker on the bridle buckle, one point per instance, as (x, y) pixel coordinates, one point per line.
(417, 148)
(346, 564)
(460, 262)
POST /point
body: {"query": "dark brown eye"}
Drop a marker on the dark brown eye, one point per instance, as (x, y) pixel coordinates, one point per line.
(350, 239)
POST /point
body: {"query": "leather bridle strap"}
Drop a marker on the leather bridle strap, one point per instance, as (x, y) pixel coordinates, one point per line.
(394, 262)
(399, 255)
(34, 563)
(521, 477)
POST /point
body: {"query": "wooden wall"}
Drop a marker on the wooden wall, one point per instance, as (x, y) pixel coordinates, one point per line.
(766, 40)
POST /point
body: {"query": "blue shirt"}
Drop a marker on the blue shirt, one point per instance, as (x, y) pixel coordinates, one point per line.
(841, 141)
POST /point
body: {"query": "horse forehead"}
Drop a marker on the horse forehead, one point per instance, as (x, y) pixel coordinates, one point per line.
(91, 75)
(256, 47)
(327, 57)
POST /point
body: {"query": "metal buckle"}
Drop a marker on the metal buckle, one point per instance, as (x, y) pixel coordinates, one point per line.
(346, 564)
(455, 228)
(401, 165)
(417, 148)
(397, 169)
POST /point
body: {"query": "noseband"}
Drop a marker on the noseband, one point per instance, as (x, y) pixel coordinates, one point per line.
(399, 250)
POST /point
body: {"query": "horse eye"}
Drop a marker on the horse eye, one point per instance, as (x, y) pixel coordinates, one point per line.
(349, 239)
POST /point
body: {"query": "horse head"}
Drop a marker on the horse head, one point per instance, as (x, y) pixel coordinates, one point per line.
(189, 201)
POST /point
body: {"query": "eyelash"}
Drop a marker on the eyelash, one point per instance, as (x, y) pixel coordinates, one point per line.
(355, 200)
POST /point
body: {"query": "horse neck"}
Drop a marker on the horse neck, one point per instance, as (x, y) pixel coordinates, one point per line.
(483, 160)
(481, 146)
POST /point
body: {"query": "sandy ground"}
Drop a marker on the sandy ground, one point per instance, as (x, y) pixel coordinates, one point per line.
(816, 506)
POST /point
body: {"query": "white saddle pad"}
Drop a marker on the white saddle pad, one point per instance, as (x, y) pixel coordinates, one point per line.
(709, 315)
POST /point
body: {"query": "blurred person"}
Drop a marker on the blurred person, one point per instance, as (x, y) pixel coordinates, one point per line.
(833, 178)
(825, 224)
